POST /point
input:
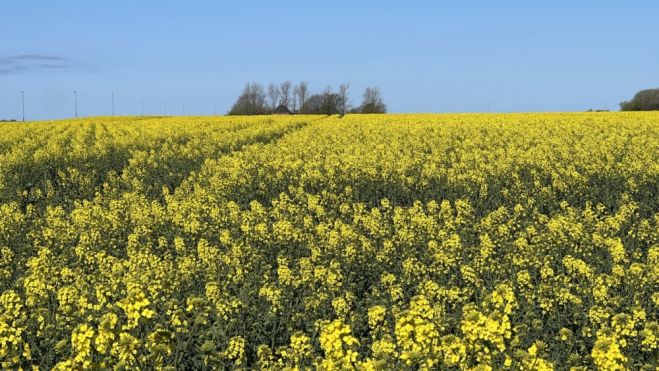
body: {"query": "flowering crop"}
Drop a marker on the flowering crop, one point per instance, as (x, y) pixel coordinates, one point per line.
(463, 241)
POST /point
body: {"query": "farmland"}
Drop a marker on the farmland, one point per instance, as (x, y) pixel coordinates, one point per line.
(502, 241)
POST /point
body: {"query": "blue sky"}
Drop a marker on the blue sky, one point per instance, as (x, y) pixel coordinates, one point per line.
(426, 56)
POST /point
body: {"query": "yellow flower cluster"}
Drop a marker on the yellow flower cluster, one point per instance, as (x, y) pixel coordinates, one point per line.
(369, 242)
(339, 346)
(417, 333)
(235, 352)
(135, 306)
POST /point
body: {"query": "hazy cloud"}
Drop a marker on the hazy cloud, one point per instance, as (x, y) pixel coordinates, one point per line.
(34, 62)
(54, 66)
(36, 57)
(5, 70)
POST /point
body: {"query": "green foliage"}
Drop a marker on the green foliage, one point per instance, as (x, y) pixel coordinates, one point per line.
(644, 100)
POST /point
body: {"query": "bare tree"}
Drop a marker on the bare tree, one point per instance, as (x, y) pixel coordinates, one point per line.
(251, 101)
(294, 99)
(314, 105)
(273, 95)
(373, 102)
(344, 100)
(255, 100)
(285, 94)
(302, 93)
(330, 101)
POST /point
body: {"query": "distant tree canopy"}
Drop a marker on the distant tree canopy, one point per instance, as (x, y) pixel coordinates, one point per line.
(321, 104)
(325, 103)
(288, 98)
(251, 101)
(644, 100)
(372, 102)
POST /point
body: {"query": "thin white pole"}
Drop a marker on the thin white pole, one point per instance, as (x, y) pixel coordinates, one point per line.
(75, 100)
(23, 103)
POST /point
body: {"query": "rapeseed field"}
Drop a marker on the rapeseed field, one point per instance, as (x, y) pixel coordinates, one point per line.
(369, 242)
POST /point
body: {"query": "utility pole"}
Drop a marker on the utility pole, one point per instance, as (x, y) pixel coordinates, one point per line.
(164, 108)
(213, 110)
(23, 103)
(142, 106)
(75, 100)
(112, 104)
(184, 110)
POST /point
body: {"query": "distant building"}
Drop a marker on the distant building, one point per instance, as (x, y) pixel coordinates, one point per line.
(282, 110)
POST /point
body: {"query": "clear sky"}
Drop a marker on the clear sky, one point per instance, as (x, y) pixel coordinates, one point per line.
(426, 56)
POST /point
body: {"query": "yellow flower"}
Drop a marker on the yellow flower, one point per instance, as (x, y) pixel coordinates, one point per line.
(135, 306)
(376, 316)
(338, 344)
(607, 353)
(417, 334)
(235, 352)
(81, 344)
(126, 348)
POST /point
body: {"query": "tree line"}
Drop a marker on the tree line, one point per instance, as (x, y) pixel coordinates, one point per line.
(644, 100)
(287, 98)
